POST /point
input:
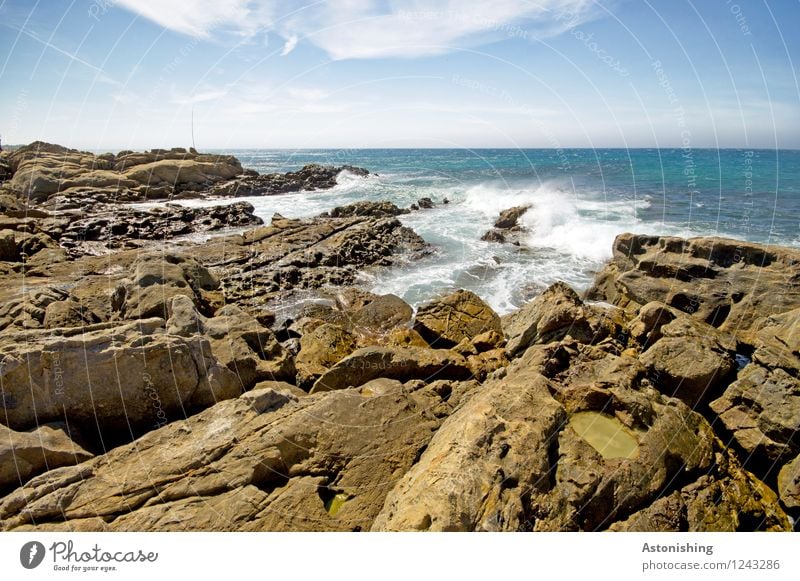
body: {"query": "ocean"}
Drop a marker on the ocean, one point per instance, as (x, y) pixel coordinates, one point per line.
(581, 199)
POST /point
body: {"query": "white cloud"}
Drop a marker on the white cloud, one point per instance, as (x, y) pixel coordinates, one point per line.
(202, 17)
(370, 28)
(291, 42)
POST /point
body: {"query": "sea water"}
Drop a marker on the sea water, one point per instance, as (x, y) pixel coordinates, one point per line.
(580, 200)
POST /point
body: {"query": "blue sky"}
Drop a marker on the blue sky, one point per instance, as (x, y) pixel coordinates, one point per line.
(115, 74)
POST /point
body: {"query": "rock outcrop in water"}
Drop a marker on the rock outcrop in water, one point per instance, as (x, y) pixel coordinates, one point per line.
(245, 382)
(507, 227)
(61, 178)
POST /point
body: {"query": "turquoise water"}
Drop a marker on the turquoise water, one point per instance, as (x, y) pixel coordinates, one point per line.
(581, 200)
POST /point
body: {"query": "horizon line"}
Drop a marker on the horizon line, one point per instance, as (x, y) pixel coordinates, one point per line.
(411, 148)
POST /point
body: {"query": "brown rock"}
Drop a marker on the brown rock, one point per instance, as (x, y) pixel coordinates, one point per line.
(122, 379)
(27, 454)
(232, 467)
(727, 283)
(320, 350)
(383, 314)
(462, 315)
(403, 363)
(554, 314)
(789, 484)
(509, 218)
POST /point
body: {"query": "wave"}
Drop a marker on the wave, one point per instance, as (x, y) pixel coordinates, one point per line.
(582, 225)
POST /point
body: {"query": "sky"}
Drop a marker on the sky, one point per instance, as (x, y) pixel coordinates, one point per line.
(135, 74)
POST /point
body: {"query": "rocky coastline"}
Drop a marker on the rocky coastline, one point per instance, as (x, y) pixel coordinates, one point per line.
(245, 382)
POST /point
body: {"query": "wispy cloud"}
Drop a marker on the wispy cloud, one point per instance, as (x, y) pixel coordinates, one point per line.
(369, 28)
(288, 47)
(202, 17)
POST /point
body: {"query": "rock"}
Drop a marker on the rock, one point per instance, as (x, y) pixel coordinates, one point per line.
(508, 218)
(273, 262)
(462, 315)
(310, 177)
(646, 327)
(494, 236)
(19, 246)
(247, 348)
(554, 314)
(689, 368)
(267, 399)
(777, 342)
(375, 209)
(507, 227)
(488, 341)
(68, 313)
(383, 314)
(726, 283)
(108, 227)
(5, 170)
(159, 278)
(425, 203)
(402, 363)
(8, 246)
(44, 171)
(232, 467)
(24, 455)
(320, 350)
(121, 380)
(486, 363)
(184, 319)
(281, 387)
(402, 337)
(513, 458)
(352, 299)
(789, 484)
(761, 409)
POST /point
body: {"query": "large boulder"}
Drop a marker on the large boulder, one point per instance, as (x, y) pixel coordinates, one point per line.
(24, 455)
(159, 278)
(403, 363)
(461, 315)
(320, 350)
(259, 462)
(729, 284)
(237, 341)
(554, 314)
(761, 409)
(121, 380)
(382, 314)
(690, 368)
(589, 448)
(42, 171)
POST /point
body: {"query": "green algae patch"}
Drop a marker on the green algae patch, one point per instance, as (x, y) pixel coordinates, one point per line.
(606, 434)
(334, 504)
